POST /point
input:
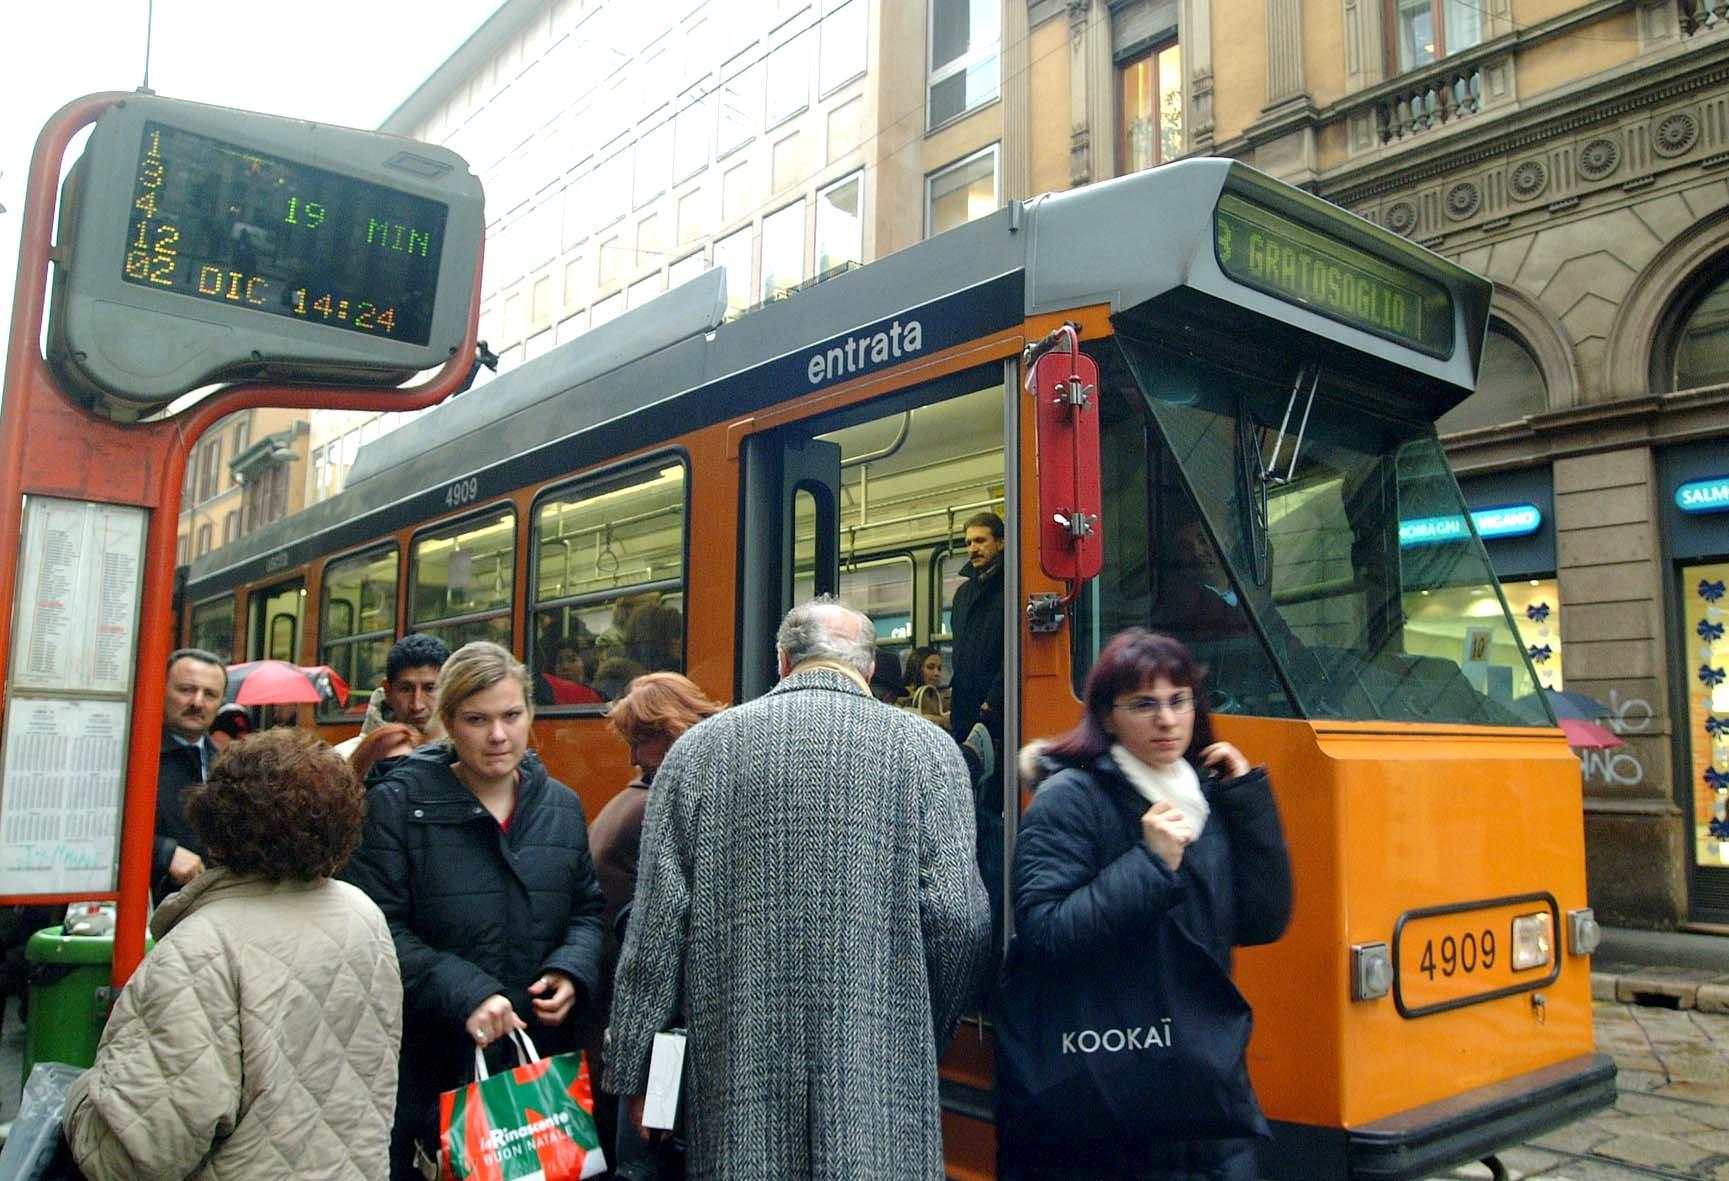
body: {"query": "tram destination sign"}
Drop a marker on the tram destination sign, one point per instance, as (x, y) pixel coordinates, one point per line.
(203, 244)
(1289, 260)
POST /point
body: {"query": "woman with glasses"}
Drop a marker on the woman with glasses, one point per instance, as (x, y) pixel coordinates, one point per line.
(1145, 832)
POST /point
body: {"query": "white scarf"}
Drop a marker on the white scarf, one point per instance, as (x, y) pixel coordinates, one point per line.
(1175, 783)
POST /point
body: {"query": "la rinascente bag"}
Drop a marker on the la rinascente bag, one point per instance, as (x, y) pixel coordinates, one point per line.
(1149, 1046)
(534, 1122)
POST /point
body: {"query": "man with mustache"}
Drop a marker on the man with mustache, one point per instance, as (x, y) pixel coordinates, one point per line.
(197, 682)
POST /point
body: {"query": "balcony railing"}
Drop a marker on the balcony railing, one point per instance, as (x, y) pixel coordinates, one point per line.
(1425, 103)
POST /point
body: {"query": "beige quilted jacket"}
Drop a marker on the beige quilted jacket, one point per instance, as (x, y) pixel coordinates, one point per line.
(258, 1039)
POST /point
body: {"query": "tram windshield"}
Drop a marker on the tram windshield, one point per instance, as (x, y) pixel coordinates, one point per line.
(1338, 579)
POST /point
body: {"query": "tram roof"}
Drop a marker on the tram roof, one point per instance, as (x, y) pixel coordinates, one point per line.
(676, 360)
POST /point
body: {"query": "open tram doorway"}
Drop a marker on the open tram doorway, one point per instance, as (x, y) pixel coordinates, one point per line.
(872, 504)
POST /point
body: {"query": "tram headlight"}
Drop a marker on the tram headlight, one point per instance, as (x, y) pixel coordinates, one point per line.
(1583, 931)
(1533, 941)
(1371, 971)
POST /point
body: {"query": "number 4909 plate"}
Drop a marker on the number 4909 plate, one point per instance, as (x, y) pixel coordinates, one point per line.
(1445, 957)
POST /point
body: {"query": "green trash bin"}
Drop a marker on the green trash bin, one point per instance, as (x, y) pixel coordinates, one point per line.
(70, 996)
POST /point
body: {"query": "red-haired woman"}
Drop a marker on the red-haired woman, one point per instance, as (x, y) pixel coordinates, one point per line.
(1147, 834)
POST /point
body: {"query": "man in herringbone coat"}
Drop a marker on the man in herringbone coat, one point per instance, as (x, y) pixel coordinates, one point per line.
(808, 906)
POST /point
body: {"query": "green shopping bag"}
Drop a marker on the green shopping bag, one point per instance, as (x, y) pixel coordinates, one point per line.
(532, 1123)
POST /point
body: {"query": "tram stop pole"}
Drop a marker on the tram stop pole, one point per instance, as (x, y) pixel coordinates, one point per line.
(126, 476)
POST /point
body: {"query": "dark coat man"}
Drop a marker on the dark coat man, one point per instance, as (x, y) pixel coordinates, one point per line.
(976, 622)
(807, 904)
(196, 684)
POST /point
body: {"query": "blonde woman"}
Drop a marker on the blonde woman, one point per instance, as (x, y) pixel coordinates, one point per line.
(480, 862)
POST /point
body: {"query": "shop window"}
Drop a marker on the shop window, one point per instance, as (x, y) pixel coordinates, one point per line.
(1705, 602)
(965, 39)
(608, 585)
(462, 578)
(1423, 31)
(358, 621)
(1150, 108)
(961, 192)
(1536, 607)
(1702, 341)
(840, 223)
(782, 251)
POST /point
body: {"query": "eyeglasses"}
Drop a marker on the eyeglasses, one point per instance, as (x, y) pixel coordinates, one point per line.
(1146, 707)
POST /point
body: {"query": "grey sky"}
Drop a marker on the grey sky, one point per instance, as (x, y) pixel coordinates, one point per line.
(350, 63)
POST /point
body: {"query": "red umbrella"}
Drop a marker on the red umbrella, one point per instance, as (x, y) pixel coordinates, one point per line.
(1583, 735)
(276, 682)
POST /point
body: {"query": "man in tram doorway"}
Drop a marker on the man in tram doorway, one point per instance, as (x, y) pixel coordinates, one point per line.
(809, 909)
(976, 706)
(410, 680)
(197, 682)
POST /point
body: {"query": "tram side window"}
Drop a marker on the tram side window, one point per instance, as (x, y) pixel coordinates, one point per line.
(608, 587)
(213, 626)
(358, 622)
(462, 577)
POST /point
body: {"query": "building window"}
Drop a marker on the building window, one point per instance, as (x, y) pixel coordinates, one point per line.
(1423, 31)
(181, 546)
(840, 223)
(965, 38)
(607, 309)
(782, 251)
(1510, 386)
(653, 159)
(841, 47)
(733, 252)
(1702, 341)
(740, 100)
(1150, 108)
(643, 290)
(203, 540)
(685, 269)
(961, 192)
(788, 79)
(690, 132)
(230, 527)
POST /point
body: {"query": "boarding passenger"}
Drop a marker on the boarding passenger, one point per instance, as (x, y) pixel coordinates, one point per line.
(1150, 848)
(410, 679)
(808, 905)
(563, 676)
(976, 621)
(197, 681)
(922, 685)
(656, 710)
(260, 1037)
(479, 860)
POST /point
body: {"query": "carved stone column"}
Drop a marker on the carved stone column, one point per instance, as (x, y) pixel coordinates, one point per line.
(1195, 40)
(1284, 51)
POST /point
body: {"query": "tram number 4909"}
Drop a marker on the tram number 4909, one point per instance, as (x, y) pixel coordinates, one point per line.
(1455, 956)
(462, 492)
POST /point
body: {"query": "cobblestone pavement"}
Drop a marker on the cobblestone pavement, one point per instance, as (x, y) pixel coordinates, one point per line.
(1671, 1116)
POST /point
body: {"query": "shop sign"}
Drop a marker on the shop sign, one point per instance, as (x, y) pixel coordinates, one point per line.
(1703, 496)
(1511, 520)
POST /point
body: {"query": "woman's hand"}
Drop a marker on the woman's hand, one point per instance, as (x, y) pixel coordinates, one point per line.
(1226, 759)
(1166, 831)
(492, 1019)
(554, 995)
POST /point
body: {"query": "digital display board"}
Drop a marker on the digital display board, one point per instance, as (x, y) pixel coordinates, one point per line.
(253, 230)
(1288, 260)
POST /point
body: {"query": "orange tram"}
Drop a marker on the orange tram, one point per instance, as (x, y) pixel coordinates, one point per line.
(658, 492)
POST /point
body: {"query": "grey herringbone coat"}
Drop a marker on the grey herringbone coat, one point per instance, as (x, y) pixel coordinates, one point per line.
(808, 905)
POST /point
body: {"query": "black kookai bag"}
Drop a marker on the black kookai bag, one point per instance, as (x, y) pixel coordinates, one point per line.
(1121, 1050)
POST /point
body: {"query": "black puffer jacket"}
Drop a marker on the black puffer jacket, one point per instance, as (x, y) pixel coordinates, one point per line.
(476, 911)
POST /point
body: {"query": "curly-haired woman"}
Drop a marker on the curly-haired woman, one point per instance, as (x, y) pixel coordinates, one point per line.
(260, 1037)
